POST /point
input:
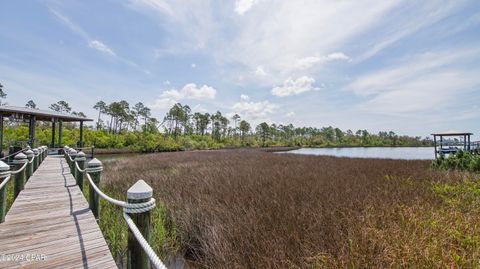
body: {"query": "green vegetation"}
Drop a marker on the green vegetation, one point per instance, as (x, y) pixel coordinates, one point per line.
(181, 129)
(253, 209)
(462, 160)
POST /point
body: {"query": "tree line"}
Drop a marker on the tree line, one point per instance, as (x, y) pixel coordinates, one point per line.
(118, 121)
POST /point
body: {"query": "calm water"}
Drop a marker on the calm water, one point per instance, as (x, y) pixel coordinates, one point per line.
(410, 153)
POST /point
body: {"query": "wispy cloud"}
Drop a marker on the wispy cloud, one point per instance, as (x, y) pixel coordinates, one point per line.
(307, 62)
(242, 6)
(295, 87)
(255, 111)
(95, 44)
(92, 43)
(426, 82)
(189, 92)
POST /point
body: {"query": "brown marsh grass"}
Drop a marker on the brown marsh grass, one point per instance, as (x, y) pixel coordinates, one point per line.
(252, 209)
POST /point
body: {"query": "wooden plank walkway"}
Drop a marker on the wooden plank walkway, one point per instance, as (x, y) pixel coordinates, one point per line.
(51, 226)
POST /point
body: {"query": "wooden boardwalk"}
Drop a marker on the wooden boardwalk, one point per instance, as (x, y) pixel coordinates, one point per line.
(51, 226)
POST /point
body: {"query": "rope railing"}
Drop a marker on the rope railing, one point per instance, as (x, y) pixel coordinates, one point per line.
(25, 163)
(94, 169)
(127, 207)
(19, 170)
(13, 154)
(4, 182)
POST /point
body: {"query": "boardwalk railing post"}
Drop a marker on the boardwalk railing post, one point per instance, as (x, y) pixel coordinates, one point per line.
(94, 169)
(65, 152)
(4, 173)
(73, 154)
(30, 156)
(42, 154)
(137, 258)
(80, 160)
(45, 152)
(20, 177)
(36, 161)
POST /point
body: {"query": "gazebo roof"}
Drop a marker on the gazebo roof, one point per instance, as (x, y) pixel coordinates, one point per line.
(452, 133)
(41, 115)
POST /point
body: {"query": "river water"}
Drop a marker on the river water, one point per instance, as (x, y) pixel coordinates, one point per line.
(400, 153)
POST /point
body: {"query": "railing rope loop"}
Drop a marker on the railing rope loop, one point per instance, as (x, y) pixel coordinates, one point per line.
(5, 181)
(154, 259)
(127, 207)
(19, 170)
(94, 168)
(79, 169)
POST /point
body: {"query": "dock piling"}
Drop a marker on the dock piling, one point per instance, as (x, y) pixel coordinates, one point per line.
(95, 170)
(140, 192)
(36, 161)
(80, 160)
(20, 174)
(4, 174)
(30, 156)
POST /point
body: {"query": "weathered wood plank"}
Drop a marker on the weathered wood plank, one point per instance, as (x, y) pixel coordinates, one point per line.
(51, 217)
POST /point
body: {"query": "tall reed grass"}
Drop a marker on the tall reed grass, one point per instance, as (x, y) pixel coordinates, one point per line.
(252, 209)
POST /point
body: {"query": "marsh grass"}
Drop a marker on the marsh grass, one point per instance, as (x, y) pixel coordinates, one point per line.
(251, 209)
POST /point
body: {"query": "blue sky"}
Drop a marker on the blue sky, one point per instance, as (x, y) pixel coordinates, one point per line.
(408, 66)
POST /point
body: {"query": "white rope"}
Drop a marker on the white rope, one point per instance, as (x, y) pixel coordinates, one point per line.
(127, 207)
(78, 168)
(156, 262)
(5, 181)
(19, 170)
(31, 161)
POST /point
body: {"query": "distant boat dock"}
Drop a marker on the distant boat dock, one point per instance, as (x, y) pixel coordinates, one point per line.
(450, 142)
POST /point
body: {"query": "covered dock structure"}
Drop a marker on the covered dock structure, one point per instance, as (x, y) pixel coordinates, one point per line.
(450, 142)
(31, 116)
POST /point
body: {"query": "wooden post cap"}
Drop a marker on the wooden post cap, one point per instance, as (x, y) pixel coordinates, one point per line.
(4, 169)
(29, 153)
(94, 166)
(80, 157)
(94, 163)
(35, 151)
(20, 158)
(72, 152)
(139, 190)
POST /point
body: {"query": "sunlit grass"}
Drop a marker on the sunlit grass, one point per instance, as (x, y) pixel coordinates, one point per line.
(249, 209)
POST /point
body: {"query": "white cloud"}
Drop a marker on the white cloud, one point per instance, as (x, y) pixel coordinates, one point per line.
(337, 56)
(410, 69)
(166, 82)
(290, 114)
(95, 44)
(307, 62)
(286, 35)
(159, 5)
(260, 71)
(242, 6)
(424, 83)
(295, 87)
(254, 110)
(193, 65)
(190, 24)
(426, 93)
(244, 97)
(189, 92)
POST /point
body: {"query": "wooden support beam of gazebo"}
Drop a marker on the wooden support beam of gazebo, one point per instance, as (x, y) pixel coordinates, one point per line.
(33, 115)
